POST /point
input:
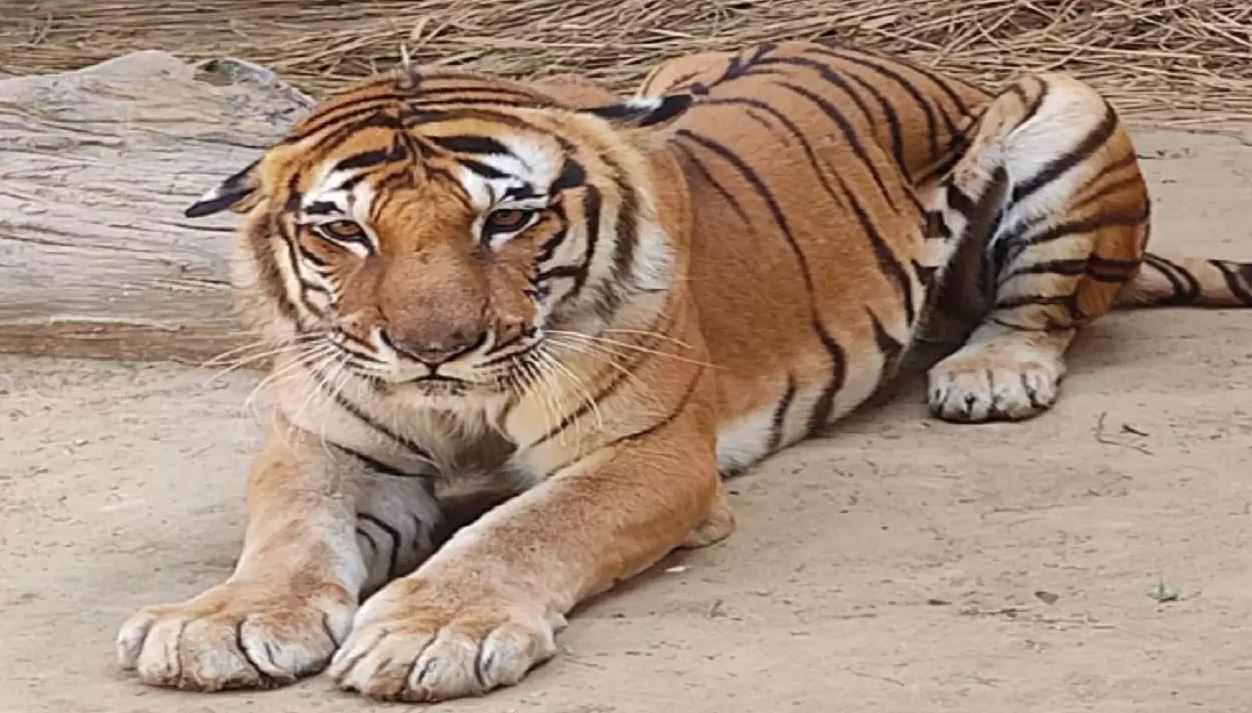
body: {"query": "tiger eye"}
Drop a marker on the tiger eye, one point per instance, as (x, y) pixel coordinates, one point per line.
(342, 230)
(500, 221)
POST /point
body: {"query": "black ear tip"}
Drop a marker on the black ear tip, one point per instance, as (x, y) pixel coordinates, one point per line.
(214, 204)
(679, 101)
(671, 106)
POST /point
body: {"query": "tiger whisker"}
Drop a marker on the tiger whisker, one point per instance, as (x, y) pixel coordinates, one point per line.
(577, 382)
(652, 334)
(634, 347)
(299, 360)
(609, 358)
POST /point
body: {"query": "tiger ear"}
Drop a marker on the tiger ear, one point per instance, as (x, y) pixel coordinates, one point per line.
(640, 112)
(240, 193)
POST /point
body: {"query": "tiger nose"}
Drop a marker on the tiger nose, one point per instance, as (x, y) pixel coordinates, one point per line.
(435, 352)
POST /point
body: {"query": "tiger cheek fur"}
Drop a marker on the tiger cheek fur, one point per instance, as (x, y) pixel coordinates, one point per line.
(522, 327)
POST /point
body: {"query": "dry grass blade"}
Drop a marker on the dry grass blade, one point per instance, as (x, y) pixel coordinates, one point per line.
(1172, 60)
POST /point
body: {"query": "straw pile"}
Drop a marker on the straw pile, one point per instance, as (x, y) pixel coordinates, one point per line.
(1173, 61)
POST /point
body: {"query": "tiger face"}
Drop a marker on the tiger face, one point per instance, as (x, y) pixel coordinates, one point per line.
(435, 229)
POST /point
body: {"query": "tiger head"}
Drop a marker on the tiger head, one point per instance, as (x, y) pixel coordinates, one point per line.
(433, 227)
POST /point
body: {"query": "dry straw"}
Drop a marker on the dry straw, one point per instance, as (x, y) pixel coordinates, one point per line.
(1173, 61)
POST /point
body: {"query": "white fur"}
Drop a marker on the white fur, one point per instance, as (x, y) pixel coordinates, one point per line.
(745, 441)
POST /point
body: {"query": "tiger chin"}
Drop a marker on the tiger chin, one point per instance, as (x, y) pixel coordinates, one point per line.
(521, 328)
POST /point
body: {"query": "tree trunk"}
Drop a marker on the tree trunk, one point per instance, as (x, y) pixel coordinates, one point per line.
(96, 167)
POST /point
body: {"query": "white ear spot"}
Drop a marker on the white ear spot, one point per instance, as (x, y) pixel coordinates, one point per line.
(644, 103)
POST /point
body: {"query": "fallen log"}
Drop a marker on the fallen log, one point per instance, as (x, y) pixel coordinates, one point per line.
(96, 167)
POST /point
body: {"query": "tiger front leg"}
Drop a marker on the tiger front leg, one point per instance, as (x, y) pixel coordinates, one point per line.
(1050, 190)
(485, 609)
(290, 601)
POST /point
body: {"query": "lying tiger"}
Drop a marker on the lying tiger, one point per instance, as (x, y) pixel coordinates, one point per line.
(524, 326)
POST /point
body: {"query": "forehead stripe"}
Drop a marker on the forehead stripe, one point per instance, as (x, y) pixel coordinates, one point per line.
(367, 159)
(321, 208)
(470, 145)
(482, 169)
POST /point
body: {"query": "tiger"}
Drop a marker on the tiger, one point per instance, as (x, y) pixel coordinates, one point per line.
(523, 329)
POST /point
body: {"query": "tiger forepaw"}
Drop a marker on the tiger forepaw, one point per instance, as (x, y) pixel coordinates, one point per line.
(412, 643)
(974, 389)
(236, 636)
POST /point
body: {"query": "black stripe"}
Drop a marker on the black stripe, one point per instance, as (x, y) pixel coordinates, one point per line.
(339, 136)
(359, 107)
(888, 346)
(1033, 107)
(763, 191)
(1011, 247)
(260, 243)
(1186, 286)
(893, 124)
(1058, 166)
(825, 404)
(849, 134)
(887, 260)
(1108, 263)
(470, 144)
(779, 419)
(1130, 182)
(1074, 266)
(357, 412)
(814, 162)
(620, 375)
(368, 538)
(367, 159)
(290, 242)
(709, 179)
(1094, 266)
(751, 114)
(625, 242)
(1231, 275)
(943, 83)
(828, 75)
(1030, 327)
(310, 257)
(393, 566)
(822, 408)
(482, 169)
(559, 272)
(932, 131)
(591, 220)
(321, 208)
(669, 418)
(572, 175)
(376, 465)
(1035, 300)
(959, 201)
(480, 93)
(552, 244)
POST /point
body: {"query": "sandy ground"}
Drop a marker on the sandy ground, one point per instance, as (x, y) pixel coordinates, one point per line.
(901, 564)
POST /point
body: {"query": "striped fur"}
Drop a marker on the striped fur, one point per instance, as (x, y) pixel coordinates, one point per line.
(545, 319)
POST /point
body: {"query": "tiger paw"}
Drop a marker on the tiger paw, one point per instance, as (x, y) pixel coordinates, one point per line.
(236, 635)
(412, 643)
(974, 389)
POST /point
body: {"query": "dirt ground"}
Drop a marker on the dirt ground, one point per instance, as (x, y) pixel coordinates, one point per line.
(900, 564)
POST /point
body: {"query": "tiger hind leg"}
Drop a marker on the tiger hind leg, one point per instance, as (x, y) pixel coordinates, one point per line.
(1054, 212)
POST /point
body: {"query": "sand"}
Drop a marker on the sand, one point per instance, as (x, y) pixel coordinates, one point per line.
(899, 564)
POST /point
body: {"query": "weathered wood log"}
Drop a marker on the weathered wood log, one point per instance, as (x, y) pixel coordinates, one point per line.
(96, 167)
